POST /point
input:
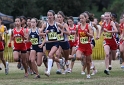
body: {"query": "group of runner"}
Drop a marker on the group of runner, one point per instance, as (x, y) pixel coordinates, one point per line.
(64, 42)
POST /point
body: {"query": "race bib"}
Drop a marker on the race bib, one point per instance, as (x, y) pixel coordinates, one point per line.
(72, 37)
(34, 41)
(108, 35)
(52, 35)
(59, 38)
(84, 40)
(18, 39)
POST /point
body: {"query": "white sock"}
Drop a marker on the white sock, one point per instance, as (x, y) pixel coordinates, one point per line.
(107, 69)
(110, 65)
(50, 62)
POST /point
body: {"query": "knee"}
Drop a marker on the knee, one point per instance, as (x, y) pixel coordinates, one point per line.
(16, 59)
(39, 64)
(50, 55)
(107, 55)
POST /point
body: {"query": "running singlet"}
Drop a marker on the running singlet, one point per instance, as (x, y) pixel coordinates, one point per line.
(72, 37)
(52, 35)
(64, 37)
(34, 37)
(18, 36)
(83, 38)
(107, 35)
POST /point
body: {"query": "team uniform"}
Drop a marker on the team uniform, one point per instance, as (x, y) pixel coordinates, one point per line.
(19, 44)
(72, 38)
(63, 41)
(109, 37)
(84, 41)
(51, 37)
(35, 40)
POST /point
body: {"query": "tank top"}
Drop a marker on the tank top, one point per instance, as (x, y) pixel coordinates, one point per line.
(18, 35)
(72, 37)
(52, 35)
(35, 39)
(83, 37)
(64, 37)
(108, 35)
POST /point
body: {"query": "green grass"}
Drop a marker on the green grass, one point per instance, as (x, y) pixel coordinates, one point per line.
(16, 76)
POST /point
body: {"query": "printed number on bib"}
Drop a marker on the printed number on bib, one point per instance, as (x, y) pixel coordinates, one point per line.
(52, 35)
(60, 37)
(84, 40)
(34, 41)
(108, 35)
(18, 40)
(71, 37)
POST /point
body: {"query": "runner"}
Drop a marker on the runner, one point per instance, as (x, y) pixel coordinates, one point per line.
(3, 30)
(72, 41)
(51, 28)
(121, 46)
(63, 39)
(84, 51)
(18, 35)
(110, 45)
(36, 52)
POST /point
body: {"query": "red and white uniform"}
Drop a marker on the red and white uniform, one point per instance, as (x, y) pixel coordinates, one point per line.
(19, 44)
(121, 28)
(28, 44)
(109, 38)
(84, 41)
(72, 38)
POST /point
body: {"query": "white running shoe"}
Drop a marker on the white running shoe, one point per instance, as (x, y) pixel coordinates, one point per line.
(47, 74)
(88, 76)
(122, 67)
(69, 70)
(83, 73)
(94, 72)
(62, 63)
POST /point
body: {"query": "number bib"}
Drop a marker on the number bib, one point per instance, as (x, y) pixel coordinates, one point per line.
(52, 35)
(72, 37)
(18, 39)
(84, 40)
(108, 35)
(59, 38)
(34, 41)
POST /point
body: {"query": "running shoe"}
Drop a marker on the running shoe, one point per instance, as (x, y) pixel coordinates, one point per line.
(106, 72)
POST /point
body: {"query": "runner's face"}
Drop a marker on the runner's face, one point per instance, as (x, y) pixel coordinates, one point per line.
(23, 21)
(17, 22)
(70, 22)
(33, 23)
(50, 16)
(60, 18)
(82, 19)
(121, 20)
(107, 16)
(28, 22)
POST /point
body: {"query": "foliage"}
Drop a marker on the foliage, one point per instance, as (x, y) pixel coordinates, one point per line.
(35, 8)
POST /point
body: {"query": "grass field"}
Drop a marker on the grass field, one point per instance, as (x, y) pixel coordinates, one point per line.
(16, 76)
